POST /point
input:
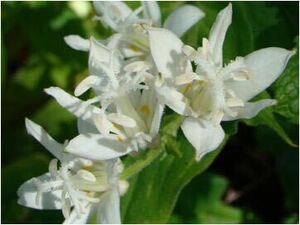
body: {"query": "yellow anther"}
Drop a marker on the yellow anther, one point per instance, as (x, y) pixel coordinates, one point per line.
(200, 82)
(145, 109)
(187, 88)
(119, 139)
(90, 194)
(134, 48)
(88, 168)
(116, 126)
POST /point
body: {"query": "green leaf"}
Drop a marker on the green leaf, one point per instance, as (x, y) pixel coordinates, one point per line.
(202, 201)
(153, 192)
(286, 90)
(286, 164)
(210, 207)
(267, 117)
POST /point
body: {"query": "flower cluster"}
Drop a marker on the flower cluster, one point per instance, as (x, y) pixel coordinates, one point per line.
(138, 71)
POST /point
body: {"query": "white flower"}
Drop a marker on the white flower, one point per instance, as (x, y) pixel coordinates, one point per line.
(130, 114)
(131, 27)
(78, 187)
(215, 92)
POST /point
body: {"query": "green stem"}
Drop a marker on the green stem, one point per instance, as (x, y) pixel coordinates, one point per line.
(141, 163)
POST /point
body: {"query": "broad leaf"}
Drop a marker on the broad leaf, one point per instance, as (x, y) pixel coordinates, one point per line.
(267, 117)
(210, 208)
(153, 192)
(287, 90)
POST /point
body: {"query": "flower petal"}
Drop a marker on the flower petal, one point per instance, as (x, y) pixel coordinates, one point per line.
(28, 192)
(152, 11)
(109, 208)
(173, 99)
(86, 84)
(166, 50)
(264, 67)
(120, 9)
(156, 120)
(113, 12)
(55, 148)
(82, 218)
(122, 120)
(96, 147)
(203, 135)
(217, 34)
(78, 43)
(250, 110)
(182, 19)
(79, 108)
(99, 55)
(85, 127)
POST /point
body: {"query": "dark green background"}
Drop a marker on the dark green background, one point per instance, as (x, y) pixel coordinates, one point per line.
(257, 167)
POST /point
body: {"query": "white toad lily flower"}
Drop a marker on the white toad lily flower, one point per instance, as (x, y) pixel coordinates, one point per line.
(215, 92)
(79, 187)
(130, 26)
(130, 115)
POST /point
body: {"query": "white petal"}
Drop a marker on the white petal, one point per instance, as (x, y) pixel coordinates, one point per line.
(78, 43)
(123, 186)
(234, 102)
(113, 12)
(183, 19)
(113, 41)
(166, 50)
(103, 125)
(86, 84)
(120, 9)
(122, 120)
(152, 11)
(99, 55)
(186, 78)
(79, 108)
(250, 110)
(264, 67)
(85, 127)
(137, 66)
(218, 32)
(27, 194)
(82, 218)
(173, 99)
(96, 147)
(203, 135)
(156, 120)
(45, 139)
(109, 208)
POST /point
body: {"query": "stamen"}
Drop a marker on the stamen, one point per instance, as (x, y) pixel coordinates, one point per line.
(66, 205)
(53, 167)
(86, 84)
(188, 50)
(185, 78)
(187, 88)
(102, 124)
(137, 66)
(217, 117)
(233, 68)
(86, 175)
(242, 76)
(122, 120)
(235, 102)
(123, 187)
(145, 109)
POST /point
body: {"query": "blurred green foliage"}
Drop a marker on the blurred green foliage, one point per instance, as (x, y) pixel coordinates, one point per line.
(253, 180)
